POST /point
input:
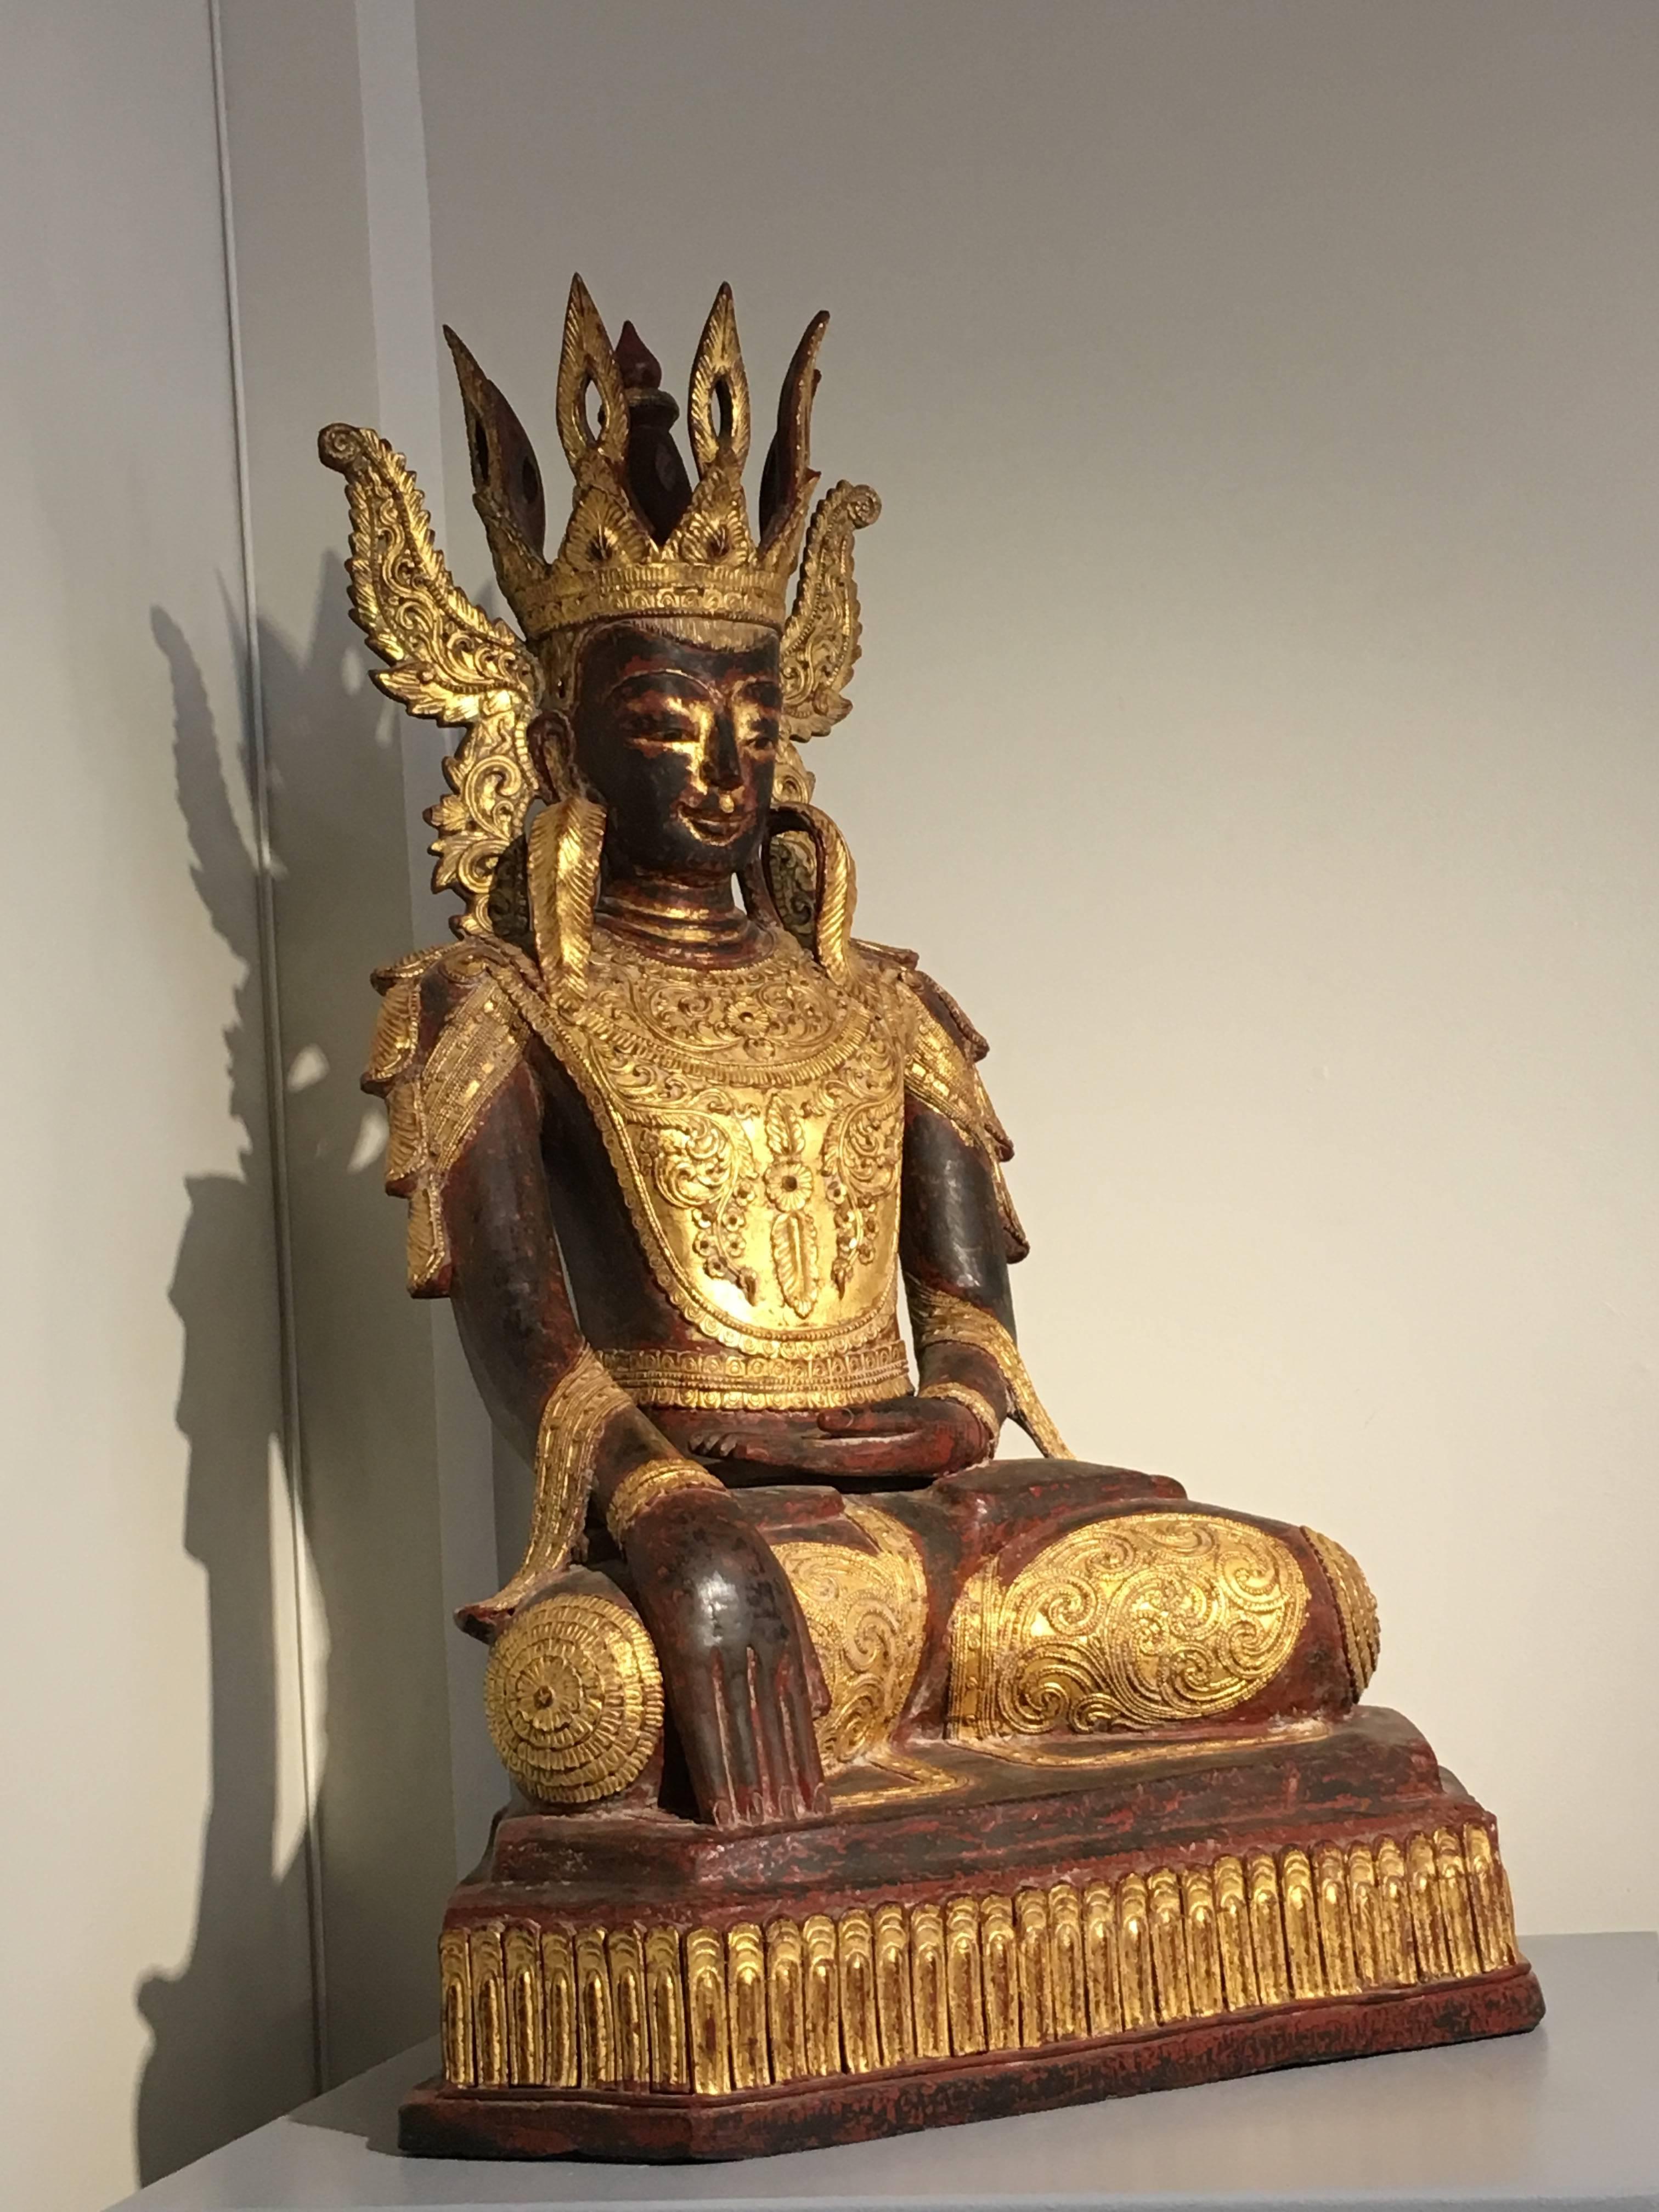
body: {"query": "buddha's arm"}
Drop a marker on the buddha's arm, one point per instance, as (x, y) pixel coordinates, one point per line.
(951, 1249)
(958, 1229)
(545, 1389)
(467, 1113)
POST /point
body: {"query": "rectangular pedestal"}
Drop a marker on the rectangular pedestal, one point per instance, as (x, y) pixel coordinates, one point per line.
(981, 1937)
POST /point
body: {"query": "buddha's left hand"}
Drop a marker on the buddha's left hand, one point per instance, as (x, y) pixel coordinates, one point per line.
(911, 1435)
(914, 1436)
(939, 1435)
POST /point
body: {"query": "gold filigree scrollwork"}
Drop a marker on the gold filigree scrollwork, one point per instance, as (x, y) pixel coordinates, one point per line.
(883, 1984)
(1143, 1620)
(703, 1166)
(1356, 1609)
(573, 1695)
(822, 638)
(447, 661)
(754, 1120)
(721, 1380)
(867, 1616)
(860, 1164)
(938, 1316)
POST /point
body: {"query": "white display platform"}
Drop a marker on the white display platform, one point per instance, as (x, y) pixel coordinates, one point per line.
(1566, 2117)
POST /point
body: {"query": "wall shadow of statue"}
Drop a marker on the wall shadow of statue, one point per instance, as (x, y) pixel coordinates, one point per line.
(232, 2041)
(231, 2032)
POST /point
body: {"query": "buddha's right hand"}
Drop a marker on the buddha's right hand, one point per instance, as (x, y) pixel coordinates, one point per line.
(729, 1637)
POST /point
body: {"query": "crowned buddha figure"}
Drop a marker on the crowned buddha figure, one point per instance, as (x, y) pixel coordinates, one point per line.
(861, 1777)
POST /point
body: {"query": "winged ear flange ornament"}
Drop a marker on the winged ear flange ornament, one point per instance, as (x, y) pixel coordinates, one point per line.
(821, 638)
(447, 661)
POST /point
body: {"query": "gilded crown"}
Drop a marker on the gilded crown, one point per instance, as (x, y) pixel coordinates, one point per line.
(642, 538)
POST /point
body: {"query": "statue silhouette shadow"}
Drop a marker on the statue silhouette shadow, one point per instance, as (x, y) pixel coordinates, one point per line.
(232, 2041)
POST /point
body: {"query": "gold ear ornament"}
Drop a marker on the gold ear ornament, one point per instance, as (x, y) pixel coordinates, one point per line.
(813, 883)
(565, 843)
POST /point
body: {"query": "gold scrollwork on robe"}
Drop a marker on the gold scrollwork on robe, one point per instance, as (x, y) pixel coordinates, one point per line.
(868, 1617)
(1145, 1620)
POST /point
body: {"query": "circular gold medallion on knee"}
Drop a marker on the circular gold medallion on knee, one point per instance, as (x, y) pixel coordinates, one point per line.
(573, 1695)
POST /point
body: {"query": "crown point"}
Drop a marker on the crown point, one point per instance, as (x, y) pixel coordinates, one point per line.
(641, 370)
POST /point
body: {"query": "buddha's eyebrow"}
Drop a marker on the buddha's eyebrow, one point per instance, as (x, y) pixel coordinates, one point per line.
(644, 682)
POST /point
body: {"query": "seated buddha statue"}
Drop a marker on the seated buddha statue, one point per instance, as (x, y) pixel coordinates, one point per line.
(673, 1138)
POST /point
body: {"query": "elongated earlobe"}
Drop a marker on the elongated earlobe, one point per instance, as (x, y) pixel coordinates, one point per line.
(553, 749)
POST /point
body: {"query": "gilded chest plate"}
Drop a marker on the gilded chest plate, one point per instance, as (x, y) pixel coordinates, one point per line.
(754, 1118)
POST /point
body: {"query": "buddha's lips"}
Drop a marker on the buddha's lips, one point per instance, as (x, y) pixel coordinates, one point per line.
(716, 828)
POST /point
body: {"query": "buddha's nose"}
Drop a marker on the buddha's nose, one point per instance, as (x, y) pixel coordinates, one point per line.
(724, 761)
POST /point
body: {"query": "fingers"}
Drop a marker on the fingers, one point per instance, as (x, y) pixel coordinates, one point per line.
(781, 1798)
(895, 1420)
(833, 1457)
(735, 1650)
(791, 1771)
(751, 1750)
(795, 1716)
(717, 1444)
(717, 1733)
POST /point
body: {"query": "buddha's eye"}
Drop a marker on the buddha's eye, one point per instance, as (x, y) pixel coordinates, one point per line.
(755, 717)
(662, 723)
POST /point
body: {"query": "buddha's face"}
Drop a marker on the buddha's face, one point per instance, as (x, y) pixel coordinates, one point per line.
(679, 741)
